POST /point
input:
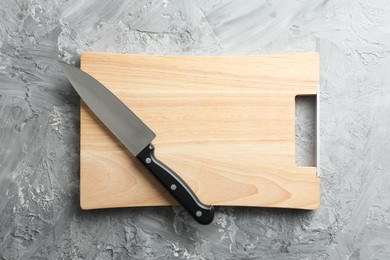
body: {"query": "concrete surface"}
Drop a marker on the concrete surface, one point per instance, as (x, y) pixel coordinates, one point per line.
(39, 134)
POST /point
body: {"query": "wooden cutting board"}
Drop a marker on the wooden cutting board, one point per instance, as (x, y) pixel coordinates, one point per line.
(226, 125)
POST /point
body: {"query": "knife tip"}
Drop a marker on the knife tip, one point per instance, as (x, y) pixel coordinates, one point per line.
(64, 65)
(61, 62)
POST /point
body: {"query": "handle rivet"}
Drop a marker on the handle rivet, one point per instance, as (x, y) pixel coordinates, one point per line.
(148, 160)
(198, 213)
(173, 187)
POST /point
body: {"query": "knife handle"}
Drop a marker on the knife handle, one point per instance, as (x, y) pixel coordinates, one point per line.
(202, 213)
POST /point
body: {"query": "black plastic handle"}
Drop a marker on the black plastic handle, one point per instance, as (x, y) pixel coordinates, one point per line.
(202, 213)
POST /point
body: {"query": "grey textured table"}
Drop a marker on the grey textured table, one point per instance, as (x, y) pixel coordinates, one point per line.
(39, 135)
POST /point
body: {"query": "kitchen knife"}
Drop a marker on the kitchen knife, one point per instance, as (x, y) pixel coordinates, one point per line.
(136, 137)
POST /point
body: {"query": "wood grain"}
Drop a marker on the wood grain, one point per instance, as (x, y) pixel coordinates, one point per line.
(226, 125)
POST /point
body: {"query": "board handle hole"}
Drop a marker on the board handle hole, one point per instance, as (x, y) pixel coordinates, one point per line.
(305, 130)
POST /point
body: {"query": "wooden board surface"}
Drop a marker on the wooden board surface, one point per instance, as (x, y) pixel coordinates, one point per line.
(226, 125)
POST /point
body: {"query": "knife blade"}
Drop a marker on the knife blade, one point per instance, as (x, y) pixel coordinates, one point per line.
(136, 137)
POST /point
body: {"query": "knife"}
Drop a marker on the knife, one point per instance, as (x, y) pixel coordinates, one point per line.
(136, 137)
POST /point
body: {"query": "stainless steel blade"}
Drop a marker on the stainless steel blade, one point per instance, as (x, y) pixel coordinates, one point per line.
(121, 121)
